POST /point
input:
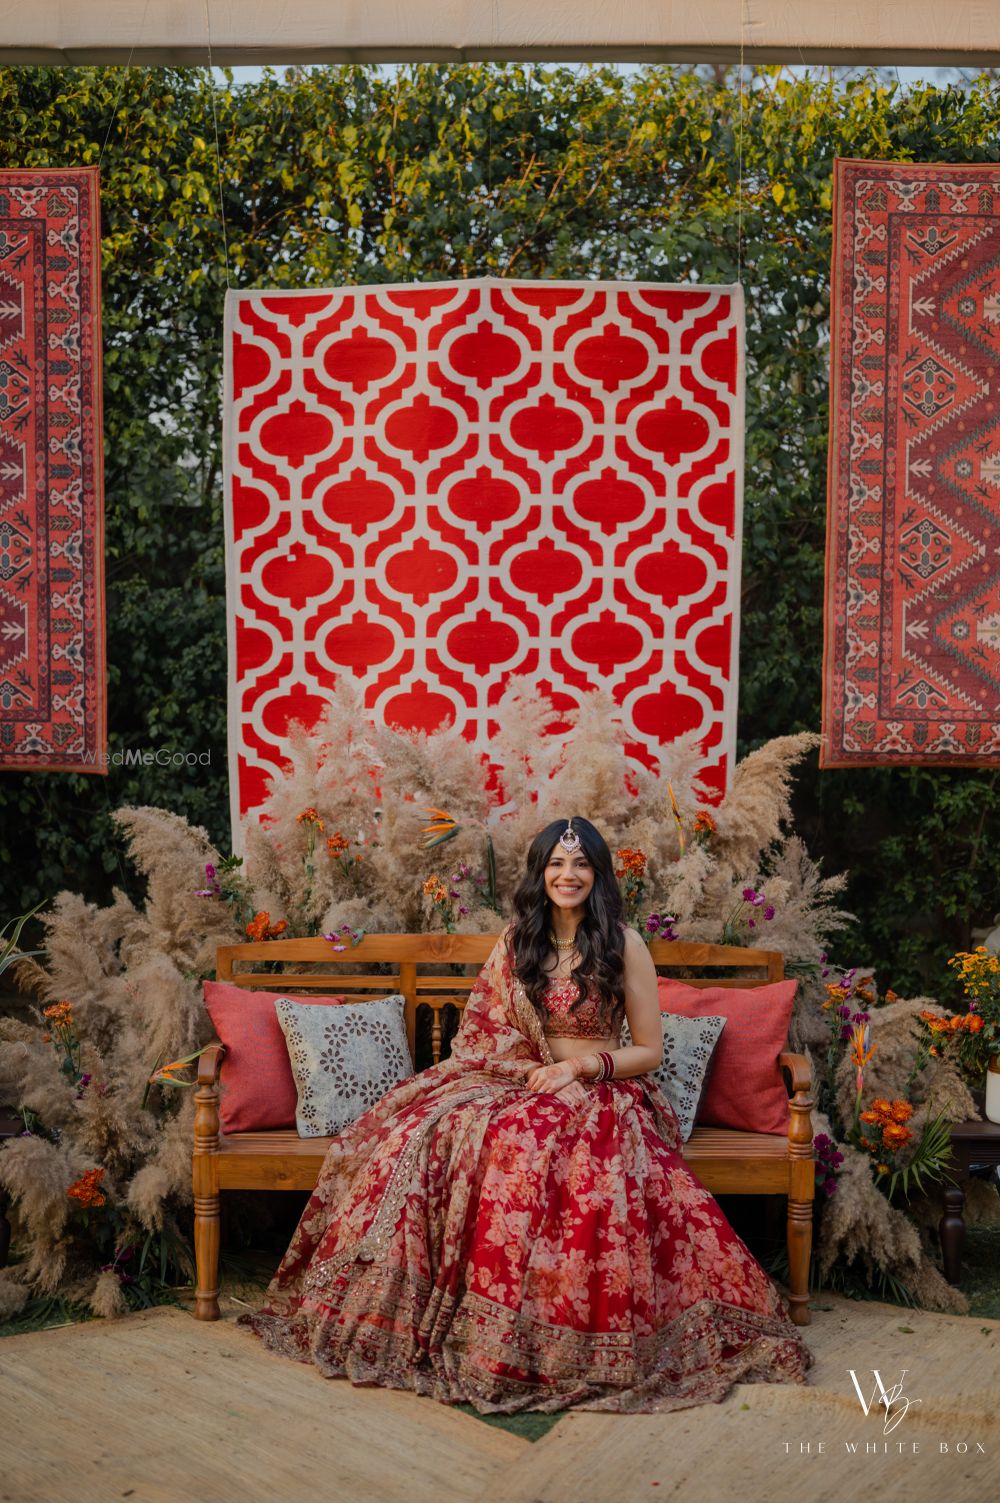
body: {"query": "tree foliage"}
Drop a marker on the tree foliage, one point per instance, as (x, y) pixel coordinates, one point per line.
(341, 175)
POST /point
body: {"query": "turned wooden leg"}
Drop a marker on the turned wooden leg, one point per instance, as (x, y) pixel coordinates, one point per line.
(800, 1231)
(206, 1256)
(951, 1230)
(205, 1184)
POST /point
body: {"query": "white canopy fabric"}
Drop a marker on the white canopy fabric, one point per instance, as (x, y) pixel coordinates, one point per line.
(936, 32)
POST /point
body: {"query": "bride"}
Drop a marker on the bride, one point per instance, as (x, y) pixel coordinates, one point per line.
(516, 1228)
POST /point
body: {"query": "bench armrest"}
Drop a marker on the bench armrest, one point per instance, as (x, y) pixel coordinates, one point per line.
(210, 1063)
(798, 1068)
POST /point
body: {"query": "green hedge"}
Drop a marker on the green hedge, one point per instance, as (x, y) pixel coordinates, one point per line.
(348, 175)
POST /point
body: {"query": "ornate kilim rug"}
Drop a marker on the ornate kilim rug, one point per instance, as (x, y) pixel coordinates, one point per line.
(912, 653)
(52, 665)
(433, 488)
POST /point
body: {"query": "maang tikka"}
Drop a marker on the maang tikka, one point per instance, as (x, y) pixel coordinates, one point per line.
(569, 839)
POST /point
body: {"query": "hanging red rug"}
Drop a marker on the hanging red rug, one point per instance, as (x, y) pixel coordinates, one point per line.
(912, 654)
(52, 659)
(431, 489)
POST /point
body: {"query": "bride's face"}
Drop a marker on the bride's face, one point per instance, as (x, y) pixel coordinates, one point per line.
(569, 878)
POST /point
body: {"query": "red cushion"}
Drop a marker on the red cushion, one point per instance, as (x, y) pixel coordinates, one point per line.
(745, 1087)
(258, 1088)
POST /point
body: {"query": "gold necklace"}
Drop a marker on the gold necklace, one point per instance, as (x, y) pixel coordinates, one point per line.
(562, 944)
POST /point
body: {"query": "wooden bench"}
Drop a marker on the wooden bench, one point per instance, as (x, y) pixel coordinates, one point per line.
(726, 1162)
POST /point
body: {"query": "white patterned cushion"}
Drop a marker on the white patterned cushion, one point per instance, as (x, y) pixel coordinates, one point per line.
(688, 1045)
(343, 1058)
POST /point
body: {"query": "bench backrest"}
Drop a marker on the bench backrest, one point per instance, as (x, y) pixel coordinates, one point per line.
(442, 958)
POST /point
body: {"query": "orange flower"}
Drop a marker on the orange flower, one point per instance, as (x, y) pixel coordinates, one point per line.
(278, 928)
(337, 845)
(974, 1022)
(882, 1168)
(895, 1136)
(87, 1189)
(902, 1111)
(935, 1051)
(870, 1116)
(258, 925)
(890, 997)
(703, 822)
(310, 817)
(633, 863)
(436, 890)
(60, 1014)
(882, 1108)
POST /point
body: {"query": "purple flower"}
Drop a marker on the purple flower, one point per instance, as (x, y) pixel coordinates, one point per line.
(652, 923)
(751, 923)
(843, 1011)
(824, 971)
(757, 899)
(836, 1159)
(454, 893)
(822, 957)
(345, 928)
(860, 1017)
(463, 909)
(830, 1186)
(330, 938)
(209, 871)
(463, 870)
(748, 894)
(340, 947)
(845, 1034)
(769, 911)
(821, 1140)
(205, 892)
(455, 877)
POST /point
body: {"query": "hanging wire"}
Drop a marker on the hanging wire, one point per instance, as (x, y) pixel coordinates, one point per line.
(218, 153)
(121, 86)
(739, 186)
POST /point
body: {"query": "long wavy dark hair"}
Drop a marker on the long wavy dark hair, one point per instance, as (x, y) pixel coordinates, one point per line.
(600, 937)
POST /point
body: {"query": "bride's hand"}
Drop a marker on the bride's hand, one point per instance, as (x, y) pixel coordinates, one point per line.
(551, 1078)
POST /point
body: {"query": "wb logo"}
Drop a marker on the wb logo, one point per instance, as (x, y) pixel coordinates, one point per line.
(895, 1401)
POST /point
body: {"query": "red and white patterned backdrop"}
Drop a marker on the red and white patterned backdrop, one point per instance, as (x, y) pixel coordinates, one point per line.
(433, 488)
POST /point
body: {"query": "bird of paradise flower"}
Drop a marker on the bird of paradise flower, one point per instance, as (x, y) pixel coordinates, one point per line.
(445, 826)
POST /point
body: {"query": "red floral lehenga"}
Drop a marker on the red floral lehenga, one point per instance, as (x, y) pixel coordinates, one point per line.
(481, 1243)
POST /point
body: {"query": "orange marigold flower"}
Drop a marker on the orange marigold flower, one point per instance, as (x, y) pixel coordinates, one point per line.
(87, 1189)
(902, 1111)
(890, 996)
(310, 817)
(275, 929)
(259, 925)
(337, 845)
(974, 1022)
(894, 1136)
(703, 821)
(870, 1116)
(60, 1013)
(633, 863)
(935, 1051)
(866, 1143)
(436, 890)
(956, 1023)
(882, 1107)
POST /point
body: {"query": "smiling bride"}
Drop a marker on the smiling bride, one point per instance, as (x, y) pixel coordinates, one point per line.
(516, 1227)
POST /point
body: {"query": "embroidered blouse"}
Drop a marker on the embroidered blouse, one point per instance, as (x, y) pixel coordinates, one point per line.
(591, 1020)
